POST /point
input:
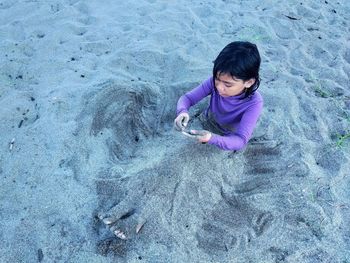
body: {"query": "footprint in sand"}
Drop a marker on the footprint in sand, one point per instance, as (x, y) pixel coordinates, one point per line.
(282, 29)
(17, 29)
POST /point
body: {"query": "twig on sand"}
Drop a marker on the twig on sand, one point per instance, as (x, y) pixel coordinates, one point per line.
(292, 18)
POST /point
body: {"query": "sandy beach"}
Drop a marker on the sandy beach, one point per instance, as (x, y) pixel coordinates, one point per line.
(88, 93)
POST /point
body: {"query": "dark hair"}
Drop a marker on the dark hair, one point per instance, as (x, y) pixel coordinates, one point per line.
(240, 60)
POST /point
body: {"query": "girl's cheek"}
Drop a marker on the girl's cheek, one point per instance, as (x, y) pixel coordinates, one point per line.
(218, 86)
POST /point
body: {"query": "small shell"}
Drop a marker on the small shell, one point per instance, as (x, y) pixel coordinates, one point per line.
(109, 220)
(139, 226)
(120, 234)
(11, 144)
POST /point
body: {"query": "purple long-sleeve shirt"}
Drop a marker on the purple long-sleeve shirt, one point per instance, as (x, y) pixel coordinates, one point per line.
(235, 116)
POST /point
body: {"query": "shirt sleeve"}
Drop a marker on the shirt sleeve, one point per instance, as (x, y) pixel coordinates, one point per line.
(194, 96)
(244, 131)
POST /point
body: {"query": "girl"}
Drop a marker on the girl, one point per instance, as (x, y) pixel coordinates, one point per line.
(235, 104)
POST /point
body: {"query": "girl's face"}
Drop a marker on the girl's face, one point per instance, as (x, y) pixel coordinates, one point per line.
(230, 86)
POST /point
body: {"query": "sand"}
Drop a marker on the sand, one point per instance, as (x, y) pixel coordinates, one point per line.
(88, 91)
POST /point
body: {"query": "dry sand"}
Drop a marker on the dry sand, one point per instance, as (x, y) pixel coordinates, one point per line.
(88, 92)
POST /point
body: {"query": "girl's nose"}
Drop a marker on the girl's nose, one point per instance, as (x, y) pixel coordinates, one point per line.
(220, 87)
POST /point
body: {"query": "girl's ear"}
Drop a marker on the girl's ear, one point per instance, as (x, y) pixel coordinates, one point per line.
(249, 83)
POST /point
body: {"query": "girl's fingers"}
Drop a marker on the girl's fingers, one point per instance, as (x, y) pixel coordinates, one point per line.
(181, 121)
(201, 133)
(185, 120)
(202, 136)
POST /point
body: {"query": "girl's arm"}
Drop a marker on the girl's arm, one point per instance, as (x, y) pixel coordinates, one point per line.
(244, 131)
(194, 96)
(229, 142)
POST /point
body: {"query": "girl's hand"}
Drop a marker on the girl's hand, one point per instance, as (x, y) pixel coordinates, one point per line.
(181, 121)
(202, 136)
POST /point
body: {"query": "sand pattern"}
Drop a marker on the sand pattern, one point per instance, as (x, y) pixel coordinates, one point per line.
(88, 92)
